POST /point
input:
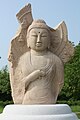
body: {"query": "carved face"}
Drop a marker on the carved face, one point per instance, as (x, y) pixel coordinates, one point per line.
(39, 39)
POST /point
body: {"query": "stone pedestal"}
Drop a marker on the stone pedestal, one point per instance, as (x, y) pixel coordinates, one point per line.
(38, 112)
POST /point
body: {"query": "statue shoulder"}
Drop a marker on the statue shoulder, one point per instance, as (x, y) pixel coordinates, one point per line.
(24, 58)
(56, 59)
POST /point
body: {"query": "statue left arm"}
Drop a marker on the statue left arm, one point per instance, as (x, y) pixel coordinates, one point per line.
(60, 74)
(58, 79)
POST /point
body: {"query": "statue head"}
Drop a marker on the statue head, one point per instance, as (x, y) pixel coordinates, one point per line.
(38, 36)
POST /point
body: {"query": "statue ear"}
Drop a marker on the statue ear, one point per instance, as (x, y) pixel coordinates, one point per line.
(27, 37)
(28, 42)
(49, 44)
(28, 45)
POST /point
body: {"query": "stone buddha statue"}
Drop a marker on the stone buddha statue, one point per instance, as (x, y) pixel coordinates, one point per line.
(36, 58)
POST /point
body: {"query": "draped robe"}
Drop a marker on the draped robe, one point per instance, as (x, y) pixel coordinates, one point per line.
(43, 90)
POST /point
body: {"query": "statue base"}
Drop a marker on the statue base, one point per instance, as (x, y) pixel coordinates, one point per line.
(38, 112)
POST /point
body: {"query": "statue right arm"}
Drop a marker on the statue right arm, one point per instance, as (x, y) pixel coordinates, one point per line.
(33, 76)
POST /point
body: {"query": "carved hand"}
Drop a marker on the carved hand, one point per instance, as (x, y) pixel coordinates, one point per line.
(33, 76)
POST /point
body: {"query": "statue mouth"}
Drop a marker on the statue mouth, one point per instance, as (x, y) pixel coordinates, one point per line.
(39, 44)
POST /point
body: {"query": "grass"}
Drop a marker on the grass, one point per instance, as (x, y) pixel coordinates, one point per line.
(75, 109)
(1, 109)
(78, 115)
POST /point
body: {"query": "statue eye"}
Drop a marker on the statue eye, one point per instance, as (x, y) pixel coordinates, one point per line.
(34, 35)
(43, 35)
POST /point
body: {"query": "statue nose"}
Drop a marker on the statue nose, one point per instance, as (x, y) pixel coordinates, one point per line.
(39, 38)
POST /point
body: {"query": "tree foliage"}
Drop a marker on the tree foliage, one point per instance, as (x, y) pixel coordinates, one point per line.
(71, 89)
(5, 90)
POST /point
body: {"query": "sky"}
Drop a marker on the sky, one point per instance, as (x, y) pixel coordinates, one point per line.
(52, 11)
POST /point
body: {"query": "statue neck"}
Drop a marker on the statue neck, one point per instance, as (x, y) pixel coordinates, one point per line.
(38, 53)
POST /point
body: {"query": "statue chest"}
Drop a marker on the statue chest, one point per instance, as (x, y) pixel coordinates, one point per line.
(38, 62)
(33, 63)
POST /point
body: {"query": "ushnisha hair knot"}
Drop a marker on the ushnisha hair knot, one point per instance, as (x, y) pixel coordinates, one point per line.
(38, 24)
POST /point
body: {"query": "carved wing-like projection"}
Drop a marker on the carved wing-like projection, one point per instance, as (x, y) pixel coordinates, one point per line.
(18, 44)
(18, 47)
(60, 44)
